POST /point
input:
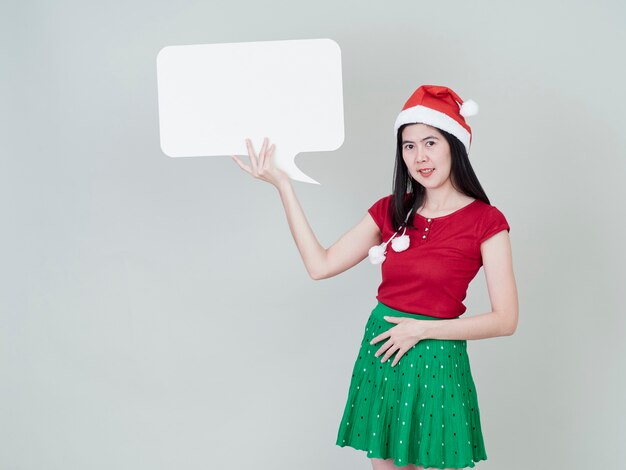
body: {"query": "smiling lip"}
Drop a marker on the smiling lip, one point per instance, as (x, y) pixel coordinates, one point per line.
(426, 174)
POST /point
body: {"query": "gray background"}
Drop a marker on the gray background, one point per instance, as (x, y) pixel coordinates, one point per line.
(155, 312)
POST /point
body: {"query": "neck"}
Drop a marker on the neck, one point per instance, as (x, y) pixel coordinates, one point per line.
(440, 199)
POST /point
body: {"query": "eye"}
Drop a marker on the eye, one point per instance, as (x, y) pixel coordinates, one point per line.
(408, 146)
(430, 142)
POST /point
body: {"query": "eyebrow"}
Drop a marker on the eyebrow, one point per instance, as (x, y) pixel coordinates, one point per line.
(425, 138)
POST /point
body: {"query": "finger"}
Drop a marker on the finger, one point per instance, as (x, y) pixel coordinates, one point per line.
(384, 347)
(380, 337)
(270, 152)
(398, 357)
(252, 157)
(262, 154)
(393, 319)
(390, 353)
(242, 165)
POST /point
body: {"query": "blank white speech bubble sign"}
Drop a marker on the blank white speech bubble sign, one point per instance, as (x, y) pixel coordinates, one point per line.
(213, 96)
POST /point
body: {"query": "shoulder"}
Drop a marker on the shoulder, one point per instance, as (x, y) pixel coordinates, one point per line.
(482, 206)
(481, 210)
(388, 199)
(379, 210)
(385, 199)
(382, 203)
(489, 221)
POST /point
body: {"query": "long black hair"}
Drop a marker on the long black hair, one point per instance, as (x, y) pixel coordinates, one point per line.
(408, 194)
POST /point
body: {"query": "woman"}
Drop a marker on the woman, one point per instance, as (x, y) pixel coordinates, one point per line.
(420, 409)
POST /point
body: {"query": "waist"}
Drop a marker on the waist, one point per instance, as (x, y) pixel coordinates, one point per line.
(381, 310)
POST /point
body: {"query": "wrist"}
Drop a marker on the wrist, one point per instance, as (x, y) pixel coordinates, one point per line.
(284, 186)
(418, 329)
(430, 328)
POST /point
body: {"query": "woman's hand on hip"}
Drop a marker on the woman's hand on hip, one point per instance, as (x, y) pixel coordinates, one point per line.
(262, 167)
(402, 337)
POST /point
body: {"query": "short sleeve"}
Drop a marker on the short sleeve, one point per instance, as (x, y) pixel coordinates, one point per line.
(492, 223)
(379, 211)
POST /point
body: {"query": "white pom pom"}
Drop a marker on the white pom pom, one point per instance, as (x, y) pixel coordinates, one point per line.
(400, 243)
(376, 254)
(469, 108)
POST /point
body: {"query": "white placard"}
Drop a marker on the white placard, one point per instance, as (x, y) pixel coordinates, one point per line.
(213, 96)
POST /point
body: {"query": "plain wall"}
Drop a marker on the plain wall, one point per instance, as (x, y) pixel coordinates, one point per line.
(155, 312)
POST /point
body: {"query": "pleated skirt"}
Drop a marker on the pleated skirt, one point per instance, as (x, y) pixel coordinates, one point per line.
(422, 411)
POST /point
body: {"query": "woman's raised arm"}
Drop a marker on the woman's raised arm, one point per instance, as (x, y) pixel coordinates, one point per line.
(320, 263)
(348, 251)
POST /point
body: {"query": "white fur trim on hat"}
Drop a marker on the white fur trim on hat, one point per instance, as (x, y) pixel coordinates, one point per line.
(432, 117)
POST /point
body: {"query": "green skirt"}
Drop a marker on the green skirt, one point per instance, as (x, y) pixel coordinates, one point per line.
(422, 411)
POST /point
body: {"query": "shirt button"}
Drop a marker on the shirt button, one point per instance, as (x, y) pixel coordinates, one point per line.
(426, 229)
(423, 236)
(429, 220)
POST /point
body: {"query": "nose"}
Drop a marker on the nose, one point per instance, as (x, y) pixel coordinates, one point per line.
(420, 154)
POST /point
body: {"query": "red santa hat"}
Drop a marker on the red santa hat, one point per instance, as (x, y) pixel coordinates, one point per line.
(440, 107)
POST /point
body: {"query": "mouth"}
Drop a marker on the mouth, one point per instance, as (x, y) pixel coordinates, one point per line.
(426, 171)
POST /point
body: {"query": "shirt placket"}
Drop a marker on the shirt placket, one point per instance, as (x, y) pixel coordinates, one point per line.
(426, 230)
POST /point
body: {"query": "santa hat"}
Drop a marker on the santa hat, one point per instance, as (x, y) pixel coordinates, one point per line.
(440, 107)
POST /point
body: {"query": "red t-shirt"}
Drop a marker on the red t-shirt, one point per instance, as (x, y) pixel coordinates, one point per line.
(432, 275)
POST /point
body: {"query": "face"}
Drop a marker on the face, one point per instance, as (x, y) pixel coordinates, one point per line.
(425, 148)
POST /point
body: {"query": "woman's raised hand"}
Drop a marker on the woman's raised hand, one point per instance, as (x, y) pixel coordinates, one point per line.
(262, 167)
